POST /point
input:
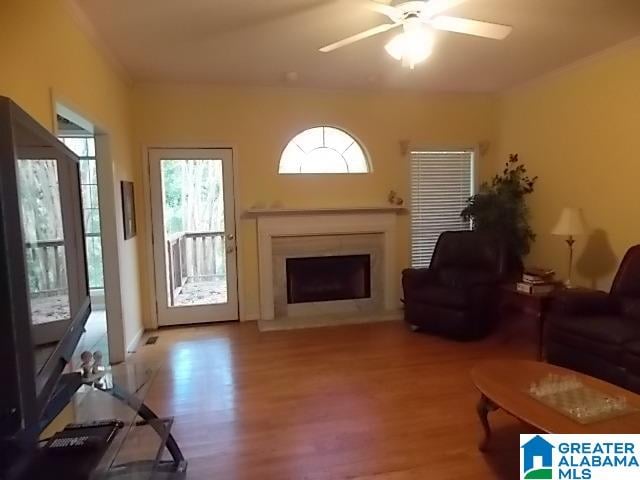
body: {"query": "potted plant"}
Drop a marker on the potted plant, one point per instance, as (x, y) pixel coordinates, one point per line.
(500, 207)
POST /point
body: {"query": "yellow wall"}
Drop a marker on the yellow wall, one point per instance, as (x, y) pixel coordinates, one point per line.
(43, 50)
(579, 130)
(259, 122)
(576, 129)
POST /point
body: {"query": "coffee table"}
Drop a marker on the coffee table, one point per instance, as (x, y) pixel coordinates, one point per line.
(503, 384)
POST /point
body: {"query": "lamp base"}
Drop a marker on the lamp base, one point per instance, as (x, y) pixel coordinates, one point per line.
(570, 242)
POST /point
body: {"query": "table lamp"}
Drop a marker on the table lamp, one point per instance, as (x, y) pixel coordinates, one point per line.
(570, 224)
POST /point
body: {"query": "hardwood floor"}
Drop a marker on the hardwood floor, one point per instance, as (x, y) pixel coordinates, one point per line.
(373, 402)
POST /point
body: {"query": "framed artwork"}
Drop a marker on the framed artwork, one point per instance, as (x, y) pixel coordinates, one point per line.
(128, 210)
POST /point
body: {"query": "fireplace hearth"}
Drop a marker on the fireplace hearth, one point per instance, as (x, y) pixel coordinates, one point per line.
(328, 278)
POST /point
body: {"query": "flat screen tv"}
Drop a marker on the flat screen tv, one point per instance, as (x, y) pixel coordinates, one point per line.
(44, 292)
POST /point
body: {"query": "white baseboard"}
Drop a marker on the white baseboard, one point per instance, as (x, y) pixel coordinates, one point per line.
(133, 345)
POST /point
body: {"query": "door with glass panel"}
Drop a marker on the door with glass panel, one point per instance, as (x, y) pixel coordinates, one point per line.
(194, 238)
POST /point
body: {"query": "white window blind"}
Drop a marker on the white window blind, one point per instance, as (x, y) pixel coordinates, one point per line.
(441, 183)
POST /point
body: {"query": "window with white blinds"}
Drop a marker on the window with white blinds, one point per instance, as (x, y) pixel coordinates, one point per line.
(441, 183)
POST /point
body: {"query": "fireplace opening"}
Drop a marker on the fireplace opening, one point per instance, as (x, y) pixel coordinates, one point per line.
(324, 279)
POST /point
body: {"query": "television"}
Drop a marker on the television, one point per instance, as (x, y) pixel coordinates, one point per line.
(44, 291)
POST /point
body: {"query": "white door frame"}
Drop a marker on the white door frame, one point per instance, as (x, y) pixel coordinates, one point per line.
(154, 231)
(108, 193)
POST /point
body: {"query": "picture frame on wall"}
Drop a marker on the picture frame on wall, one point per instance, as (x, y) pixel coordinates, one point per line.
(128, 209)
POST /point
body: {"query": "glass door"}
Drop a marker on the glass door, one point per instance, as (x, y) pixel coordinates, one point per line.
(194, 235)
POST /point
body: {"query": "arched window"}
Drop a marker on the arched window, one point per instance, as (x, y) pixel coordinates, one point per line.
(323, 150)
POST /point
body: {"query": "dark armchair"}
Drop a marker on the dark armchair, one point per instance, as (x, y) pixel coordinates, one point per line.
(457, 295)
(598, 333)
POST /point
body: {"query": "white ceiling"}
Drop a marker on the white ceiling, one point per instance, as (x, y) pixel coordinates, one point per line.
(255, 42)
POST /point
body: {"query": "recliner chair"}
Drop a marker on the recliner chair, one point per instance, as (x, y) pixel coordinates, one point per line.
(598, 333)
(457, 296)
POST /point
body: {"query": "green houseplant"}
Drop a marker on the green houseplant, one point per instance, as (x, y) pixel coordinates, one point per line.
(500, 207)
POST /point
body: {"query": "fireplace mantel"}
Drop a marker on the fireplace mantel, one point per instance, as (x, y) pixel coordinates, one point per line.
(271, 212)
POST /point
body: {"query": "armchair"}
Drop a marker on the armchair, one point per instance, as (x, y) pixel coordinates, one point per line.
(457, 295)
(598, 333)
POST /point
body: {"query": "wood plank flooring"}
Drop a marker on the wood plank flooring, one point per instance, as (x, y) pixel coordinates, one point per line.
(373, 402)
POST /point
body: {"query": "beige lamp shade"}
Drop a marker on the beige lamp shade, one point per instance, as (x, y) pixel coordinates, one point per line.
(571, 223)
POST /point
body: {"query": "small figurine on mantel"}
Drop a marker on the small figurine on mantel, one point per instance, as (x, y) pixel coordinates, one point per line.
(394, 199)
(97, 362)
(87, 363)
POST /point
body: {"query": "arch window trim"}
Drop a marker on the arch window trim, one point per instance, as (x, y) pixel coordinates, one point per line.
(308, 143)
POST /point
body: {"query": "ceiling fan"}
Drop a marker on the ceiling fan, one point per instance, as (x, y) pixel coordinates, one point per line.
(418, 20)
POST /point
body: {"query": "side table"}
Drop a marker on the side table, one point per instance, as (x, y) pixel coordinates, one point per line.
(531, 306)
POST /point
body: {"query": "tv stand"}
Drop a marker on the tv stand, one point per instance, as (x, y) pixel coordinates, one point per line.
(138, 449)
(162, 427)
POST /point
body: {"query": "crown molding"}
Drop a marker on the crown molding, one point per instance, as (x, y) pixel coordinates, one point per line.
(93, 37)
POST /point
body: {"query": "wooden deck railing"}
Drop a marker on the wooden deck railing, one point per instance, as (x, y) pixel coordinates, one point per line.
(194, 256)
(46, 267)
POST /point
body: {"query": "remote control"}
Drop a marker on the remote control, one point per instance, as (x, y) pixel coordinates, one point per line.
(113, 422)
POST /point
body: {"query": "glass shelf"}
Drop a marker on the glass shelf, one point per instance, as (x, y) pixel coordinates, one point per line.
(140, 456)
(136, 452)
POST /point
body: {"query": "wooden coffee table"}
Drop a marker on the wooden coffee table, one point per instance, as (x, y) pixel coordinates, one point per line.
(503, 384)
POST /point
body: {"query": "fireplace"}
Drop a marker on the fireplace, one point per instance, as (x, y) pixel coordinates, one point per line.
(328, 278)
(288, 239)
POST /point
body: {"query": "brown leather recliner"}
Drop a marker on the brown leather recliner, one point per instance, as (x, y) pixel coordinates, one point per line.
(598, 333)
(457, 296)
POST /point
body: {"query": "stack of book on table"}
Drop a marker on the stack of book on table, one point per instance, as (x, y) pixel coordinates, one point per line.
(537, 281)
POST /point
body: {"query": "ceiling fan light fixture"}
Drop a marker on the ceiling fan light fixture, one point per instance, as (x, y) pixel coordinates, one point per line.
(395, 47)
(419, 20)
(412, 46)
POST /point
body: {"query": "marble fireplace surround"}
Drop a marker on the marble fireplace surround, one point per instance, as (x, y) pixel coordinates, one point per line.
(297, 233)
(371, 244)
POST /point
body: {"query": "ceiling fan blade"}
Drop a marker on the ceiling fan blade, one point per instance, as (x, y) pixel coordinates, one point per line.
(434, 7)
(391, 12)
(360, 36)
(471, 27)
